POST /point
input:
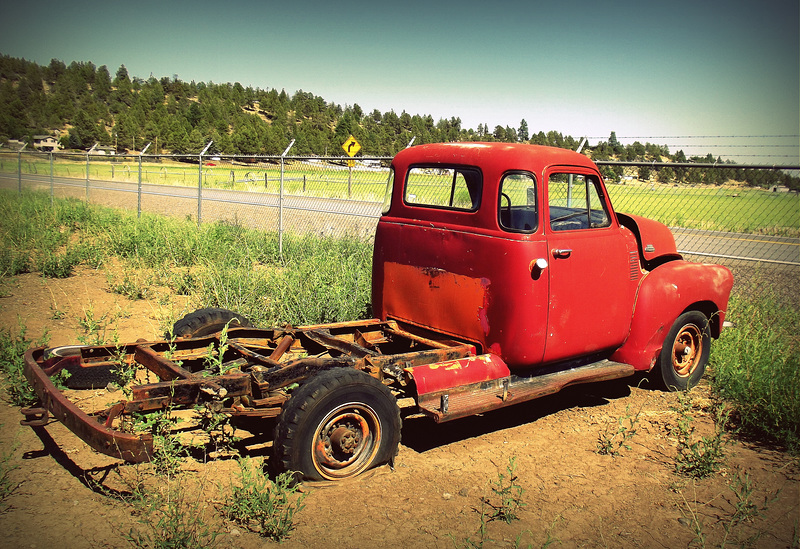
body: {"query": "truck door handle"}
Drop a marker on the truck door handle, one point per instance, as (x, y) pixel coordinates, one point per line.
(562, 252)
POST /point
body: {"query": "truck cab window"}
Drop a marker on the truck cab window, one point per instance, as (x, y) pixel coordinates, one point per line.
(516, 208)
(449, 188)
(387, 197)
(576, 203)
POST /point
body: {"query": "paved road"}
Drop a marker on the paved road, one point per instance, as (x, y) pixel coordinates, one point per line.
(776, 249)
(326, 215)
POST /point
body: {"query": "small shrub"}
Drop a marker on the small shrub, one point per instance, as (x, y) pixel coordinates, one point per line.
(58, 265)
(698, 458)
(131, 286)
(217, 425)
(172, 517)
(168, 452)
(94, 328)
(12, 361)
(611, 441)
(264, 506)
(506, 500)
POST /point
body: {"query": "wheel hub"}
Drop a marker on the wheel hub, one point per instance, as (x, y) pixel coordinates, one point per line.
(687, 349)
(345, 439)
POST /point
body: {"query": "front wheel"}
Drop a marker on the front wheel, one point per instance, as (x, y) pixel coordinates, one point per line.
(337, 425)
(685, 352)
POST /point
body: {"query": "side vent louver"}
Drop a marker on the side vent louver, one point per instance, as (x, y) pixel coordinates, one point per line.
(633, 261)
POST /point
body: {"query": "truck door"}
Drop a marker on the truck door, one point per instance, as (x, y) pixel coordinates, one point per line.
(591, 294)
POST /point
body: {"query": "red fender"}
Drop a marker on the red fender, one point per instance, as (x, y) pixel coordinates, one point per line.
(664, 294)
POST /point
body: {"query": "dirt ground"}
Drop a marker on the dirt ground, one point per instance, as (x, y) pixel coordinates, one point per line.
(573, 496)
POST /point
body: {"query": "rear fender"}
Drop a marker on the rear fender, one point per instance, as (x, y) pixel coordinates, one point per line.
(664, 294)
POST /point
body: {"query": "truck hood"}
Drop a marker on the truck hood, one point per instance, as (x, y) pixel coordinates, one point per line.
(655, 240)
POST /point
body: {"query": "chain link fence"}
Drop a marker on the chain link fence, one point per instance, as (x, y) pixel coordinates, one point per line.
(731, 212)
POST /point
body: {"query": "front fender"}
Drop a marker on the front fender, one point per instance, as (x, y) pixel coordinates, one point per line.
(664, 294)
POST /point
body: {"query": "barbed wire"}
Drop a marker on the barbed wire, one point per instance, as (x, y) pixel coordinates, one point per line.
(699, 137)
(696, 144)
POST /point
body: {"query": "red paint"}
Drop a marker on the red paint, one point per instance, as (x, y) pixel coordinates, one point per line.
(455, 373)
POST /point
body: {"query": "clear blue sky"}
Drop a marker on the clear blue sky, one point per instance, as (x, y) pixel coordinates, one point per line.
(639, 68)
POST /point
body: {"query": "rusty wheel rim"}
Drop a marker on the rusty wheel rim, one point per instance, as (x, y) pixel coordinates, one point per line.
(687, 350)
(346, 441)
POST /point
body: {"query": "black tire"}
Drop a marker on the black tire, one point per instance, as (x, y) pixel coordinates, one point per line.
(684, 355)
(339, 424)
(205, 322)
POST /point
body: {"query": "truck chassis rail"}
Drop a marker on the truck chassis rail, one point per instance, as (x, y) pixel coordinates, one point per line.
(241, 371)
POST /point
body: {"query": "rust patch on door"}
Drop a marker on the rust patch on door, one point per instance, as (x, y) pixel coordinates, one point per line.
(431, 296)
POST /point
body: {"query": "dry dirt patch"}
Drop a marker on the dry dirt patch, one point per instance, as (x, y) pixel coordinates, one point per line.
(574, 496)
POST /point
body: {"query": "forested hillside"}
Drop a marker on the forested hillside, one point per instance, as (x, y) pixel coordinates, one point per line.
(82, 104)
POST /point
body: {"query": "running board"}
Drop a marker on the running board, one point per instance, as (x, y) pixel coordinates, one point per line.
(482, 397)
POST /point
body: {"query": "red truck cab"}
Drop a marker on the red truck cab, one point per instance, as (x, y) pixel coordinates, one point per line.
(517, 249)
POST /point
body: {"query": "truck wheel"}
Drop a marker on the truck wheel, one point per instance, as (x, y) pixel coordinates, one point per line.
(685, 353)
(337, 425)
(204, 322)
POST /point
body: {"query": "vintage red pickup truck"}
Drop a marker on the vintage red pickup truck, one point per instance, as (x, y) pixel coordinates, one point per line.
(501, 273)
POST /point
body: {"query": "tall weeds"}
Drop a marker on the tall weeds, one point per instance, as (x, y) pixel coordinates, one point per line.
(218, 265)
(755, 365)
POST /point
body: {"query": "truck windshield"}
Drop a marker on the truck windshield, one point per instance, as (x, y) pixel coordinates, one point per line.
(456, 188)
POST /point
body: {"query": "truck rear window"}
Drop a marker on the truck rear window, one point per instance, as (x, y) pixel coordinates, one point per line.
(517, 205)
(456, 188)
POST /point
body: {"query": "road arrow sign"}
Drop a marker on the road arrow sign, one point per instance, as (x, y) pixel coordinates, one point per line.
(351, 146)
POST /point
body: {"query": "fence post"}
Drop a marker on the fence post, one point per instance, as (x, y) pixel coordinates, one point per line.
(200, 184)
(139, 189)
(19, 169)
(87, 170)
(350, 179)
(51, 180)
(265, 179)
(280, 204)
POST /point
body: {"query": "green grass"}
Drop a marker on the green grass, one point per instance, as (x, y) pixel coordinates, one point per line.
(218, 264)
(714, 209)
(755, 365)
(18, 391)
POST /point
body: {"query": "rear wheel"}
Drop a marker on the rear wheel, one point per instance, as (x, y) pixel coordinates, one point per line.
(685, 352)
(339, 424)
(209, 321)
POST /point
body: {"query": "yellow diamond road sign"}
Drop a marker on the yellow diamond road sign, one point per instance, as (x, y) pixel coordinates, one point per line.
(351, 146)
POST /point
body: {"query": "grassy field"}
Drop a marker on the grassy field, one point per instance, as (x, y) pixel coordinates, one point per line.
(728, 208)
(714, 209)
